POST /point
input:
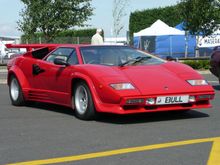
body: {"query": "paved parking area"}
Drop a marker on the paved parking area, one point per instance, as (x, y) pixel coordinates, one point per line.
(49, 133)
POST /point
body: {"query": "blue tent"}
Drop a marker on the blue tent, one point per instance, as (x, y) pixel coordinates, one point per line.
(136, 42)
(178, 46)
(167, 45)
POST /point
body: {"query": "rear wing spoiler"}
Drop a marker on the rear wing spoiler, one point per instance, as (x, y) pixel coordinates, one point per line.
(38, 51)
(31, 47)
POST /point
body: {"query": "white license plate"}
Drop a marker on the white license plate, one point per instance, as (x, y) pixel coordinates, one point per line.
(172, 99)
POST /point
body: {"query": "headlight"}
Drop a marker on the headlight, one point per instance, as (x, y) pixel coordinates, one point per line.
(122, 86)
(197, 82)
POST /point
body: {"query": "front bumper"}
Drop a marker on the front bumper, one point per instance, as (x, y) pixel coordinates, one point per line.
(124, 108)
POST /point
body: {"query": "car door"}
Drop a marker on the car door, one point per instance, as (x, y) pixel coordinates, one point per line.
(55, 80)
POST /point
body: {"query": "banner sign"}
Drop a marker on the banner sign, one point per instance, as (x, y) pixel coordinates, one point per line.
(210, 41)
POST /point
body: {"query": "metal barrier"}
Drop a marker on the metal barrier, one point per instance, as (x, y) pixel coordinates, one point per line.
(195, 58)
(4, 61)
(170, 58)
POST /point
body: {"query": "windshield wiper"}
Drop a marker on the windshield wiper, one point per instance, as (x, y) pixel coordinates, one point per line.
(134, 60)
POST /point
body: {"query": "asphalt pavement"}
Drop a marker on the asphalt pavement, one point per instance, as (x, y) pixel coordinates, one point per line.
(43, 131)
(3, 76)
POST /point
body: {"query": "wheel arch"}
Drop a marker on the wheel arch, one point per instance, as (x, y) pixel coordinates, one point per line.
(91, 86)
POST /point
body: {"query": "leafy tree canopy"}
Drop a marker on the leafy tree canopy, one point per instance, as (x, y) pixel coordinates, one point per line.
(200, 16)
(53, 16)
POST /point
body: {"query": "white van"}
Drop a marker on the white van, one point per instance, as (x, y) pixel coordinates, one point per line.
(2, 49)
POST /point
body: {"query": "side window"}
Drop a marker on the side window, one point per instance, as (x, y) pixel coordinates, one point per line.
(73, 60)
(66, 54)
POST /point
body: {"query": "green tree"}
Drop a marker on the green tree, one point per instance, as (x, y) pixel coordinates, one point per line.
(200, 17)
(53, 16)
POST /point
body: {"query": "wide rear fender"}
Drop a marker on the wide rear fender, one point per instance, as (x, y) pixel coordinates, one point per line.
(16, 71)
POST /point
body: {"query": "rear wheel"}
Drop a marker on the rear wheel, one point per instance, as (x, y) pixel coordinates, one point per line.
(15, 92)
(83, 102)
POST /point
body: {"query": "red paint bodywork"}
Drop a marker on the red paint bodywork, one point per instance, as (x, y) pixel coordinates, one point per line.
(56, 84)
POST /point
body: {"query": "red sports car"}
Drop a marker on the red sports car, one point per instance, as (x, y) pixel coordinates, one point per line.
(110, 79)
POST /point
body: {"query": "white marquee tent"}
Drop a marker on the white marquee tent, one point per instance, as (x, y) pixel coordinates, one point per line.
(159, 28)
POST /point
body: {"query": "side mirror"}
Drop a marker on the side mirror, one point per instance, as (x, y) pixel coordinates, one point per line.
(59, 61)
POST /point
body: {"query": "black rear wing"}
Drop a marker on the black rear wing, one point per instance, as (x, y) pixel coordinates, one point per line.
(38, 51)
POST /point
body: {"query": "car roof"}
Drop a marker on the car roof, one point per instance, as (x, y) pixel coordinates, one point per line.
(88, 45)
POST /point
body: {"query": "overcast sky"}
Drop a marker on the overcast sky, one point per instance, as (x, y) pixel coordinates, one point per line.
(102, 18)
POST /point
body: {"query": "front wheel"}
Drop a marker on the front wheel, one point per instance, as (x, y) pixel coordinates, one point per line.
(83, 102)
(15, 92)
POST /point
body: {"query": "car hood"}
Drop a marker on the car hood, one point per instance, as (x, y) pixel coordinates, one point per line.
(156, 80)
(164, 78)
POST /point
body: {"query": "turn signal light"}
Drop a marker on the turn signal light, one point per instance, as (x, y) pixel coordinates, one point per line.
(201, 97)
(135, 101)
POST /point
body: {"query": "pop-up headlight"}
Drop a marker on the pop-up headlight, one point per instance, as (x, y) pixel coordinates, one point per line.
(122, 86)
(197, 82)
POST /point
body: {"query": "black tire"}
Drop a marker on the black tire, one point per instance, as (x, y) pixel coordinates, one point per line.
(83, 103)
(15, 92)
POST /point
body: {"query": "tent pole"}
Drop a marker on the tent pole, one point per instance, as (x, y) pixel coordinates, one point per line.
(171, 45)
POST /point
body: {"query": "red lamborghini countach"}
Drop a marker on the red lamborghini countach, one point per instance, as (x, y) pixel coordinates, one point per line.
(110, 79)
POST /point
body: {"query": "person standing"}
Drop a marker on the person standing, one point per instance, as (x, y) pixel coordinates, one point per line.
(97, 39)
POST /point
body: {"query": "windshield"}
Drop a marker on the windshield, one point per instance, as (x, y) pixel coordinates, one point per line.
(117, 56)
